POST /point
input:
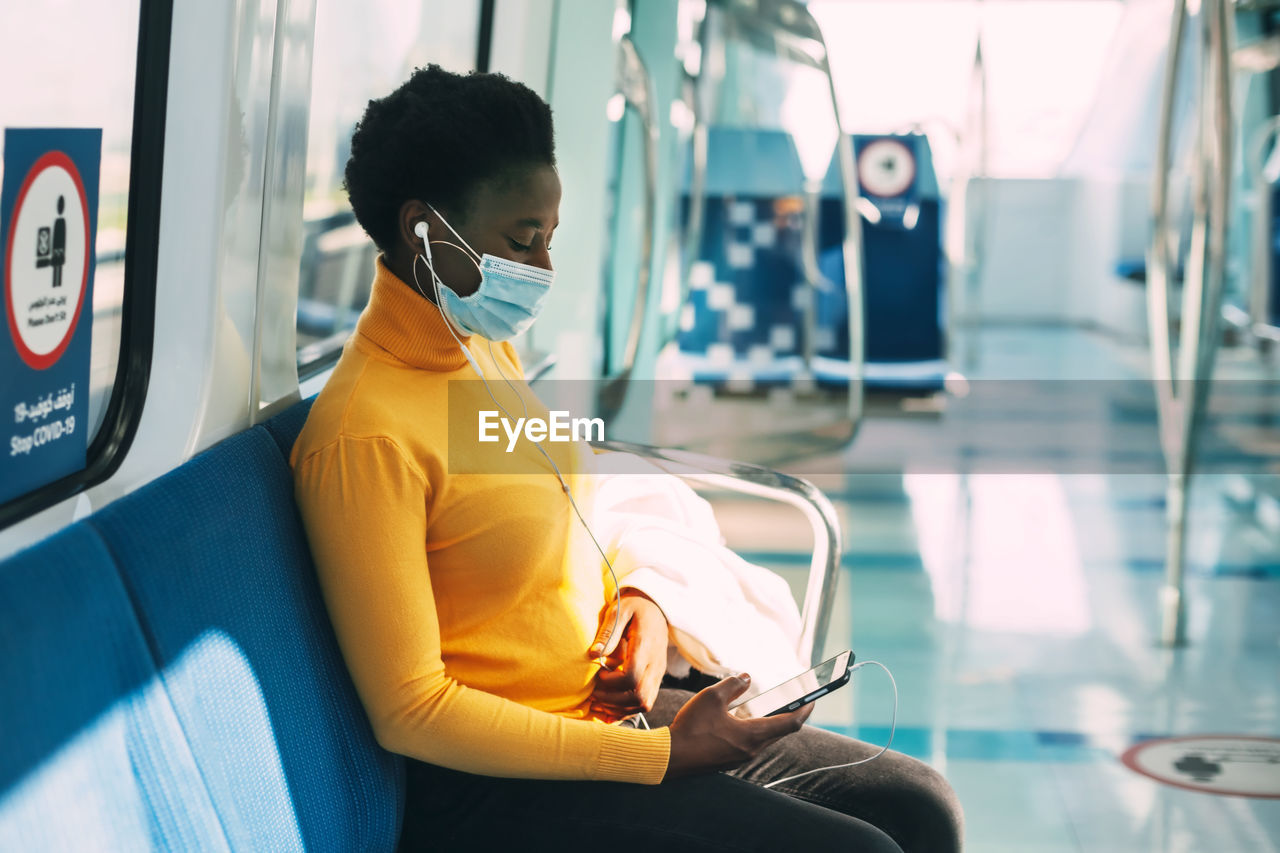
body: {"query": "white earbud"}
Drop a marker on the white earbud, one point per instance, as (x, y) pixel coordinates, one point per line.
(421, 230)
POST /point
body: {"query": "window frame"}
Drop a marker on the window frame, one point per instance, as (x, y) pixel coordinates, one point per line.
(107, 450)
(317, 357)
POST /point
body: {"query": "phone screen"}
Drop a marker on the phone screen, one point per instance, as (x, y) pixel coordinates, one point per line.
(807, 686)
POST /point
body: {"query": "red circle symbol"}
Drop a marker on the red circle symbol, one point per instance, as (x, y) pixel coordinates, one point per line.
(1133, 759)
(888, 186)
(33, 359)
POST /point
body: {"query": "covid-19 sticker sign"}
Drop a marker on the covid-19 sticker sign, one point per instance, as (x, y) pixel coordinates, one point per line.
(886, 167)
(1227, 765)
(48, 216)
(888, 177)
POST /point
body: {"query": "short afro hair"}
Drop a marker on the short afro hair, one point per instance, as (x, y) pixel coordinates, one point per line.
(436, 138)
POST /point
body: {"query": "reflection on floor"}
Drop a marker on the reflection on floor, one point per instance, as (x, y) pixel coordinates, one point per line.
(1018, 614)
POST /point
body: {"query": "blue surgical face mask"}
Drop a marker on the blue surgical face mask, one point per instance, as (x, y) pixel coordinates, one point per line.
(508, 299)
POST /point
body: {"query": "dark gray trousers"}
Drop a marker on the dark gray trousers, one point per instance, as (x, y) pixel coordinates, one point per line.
(892, 804)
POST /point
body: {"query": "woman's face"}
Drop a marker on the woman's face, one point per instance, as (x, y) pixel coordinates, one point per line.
(512, 217)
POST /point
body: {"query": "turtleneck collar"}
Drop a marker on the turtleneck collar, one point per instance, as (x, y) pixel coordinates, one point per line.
(407, 326)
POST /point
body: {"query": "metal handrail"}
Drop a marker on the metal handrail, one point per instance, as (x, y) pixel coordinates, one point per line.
(636, 87)
(784, 26)
(854, 273)
(811, 271)
(1182, 388)
(699, 143)
(973, 218)
(795, 33)
(1260, 285)
(745, 478)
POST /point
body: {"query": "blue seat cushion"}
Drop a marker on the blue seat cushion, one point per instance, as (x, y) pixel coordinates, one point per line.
(216, 561)
(93, 753)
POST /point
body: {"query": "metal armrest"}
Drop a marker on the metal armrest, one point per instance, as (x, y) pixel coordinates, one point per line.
(751, 479)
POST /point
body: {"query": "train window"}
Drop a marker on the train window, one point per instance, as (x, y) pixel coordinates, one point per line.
(83, 118)
(362, 50)
(1043, 59)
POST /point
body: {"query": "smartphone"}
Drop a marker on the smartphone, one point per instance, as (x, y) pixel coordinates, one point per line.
(801, 690)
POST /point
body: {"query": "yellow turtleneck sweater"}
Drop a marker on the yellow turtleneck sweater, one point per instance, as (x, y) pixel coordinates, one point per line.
(464, 600)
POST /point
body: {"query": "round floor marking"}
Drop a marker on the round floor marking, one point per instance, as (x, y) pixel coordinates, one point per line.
(1227, 765)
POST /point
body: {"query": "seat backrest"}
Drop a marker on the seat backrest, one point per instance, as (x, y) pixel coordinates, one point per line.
(286, 426)
(749, 294)
(216, 562)
(93, 751)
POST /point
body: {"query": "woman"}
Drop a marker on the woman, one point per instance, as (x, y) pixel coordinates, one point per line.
(483, 631)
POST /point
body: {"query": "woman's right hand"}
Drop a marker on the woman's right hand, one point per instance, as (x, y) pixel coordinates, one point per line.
(705, 737)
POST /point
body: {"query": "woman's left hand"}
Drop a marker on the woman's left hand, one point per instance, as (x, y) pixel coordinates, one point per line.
(636, 653)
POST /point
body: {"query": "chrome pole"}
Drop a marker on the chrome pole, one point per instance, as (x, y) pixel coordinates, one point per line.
(1261, 266)
(1158, 251)
(1182, 388)
(854, 272)
(1172, 611)
(636, 86)
(975, 213)
(703, 93)
(811, 271)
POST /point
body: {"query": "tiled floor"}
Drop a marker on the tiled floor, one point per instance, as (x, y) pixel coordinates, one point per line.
(1018, 614)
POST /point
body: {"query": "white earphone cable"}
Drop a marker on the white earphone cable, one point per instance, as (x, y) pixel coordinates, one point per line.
(436, 285)
(893, 727)
(524, 412)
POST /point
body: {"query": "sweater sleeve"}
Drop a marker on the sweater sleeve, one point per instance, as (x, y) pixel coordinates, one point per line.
(364, 506)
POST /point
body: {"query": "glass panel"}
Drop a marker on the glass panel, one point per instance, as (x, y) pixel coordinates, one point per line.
(72, 65)
(920, 57)
(754, 323)
(900, 64)
(362, 50)
(1045, 63)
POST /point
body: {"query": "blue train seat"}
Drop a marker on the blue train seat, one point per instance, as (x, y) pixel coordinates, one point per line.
(92, 745)
(173, 678)
(747, 295)
(172, 681)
